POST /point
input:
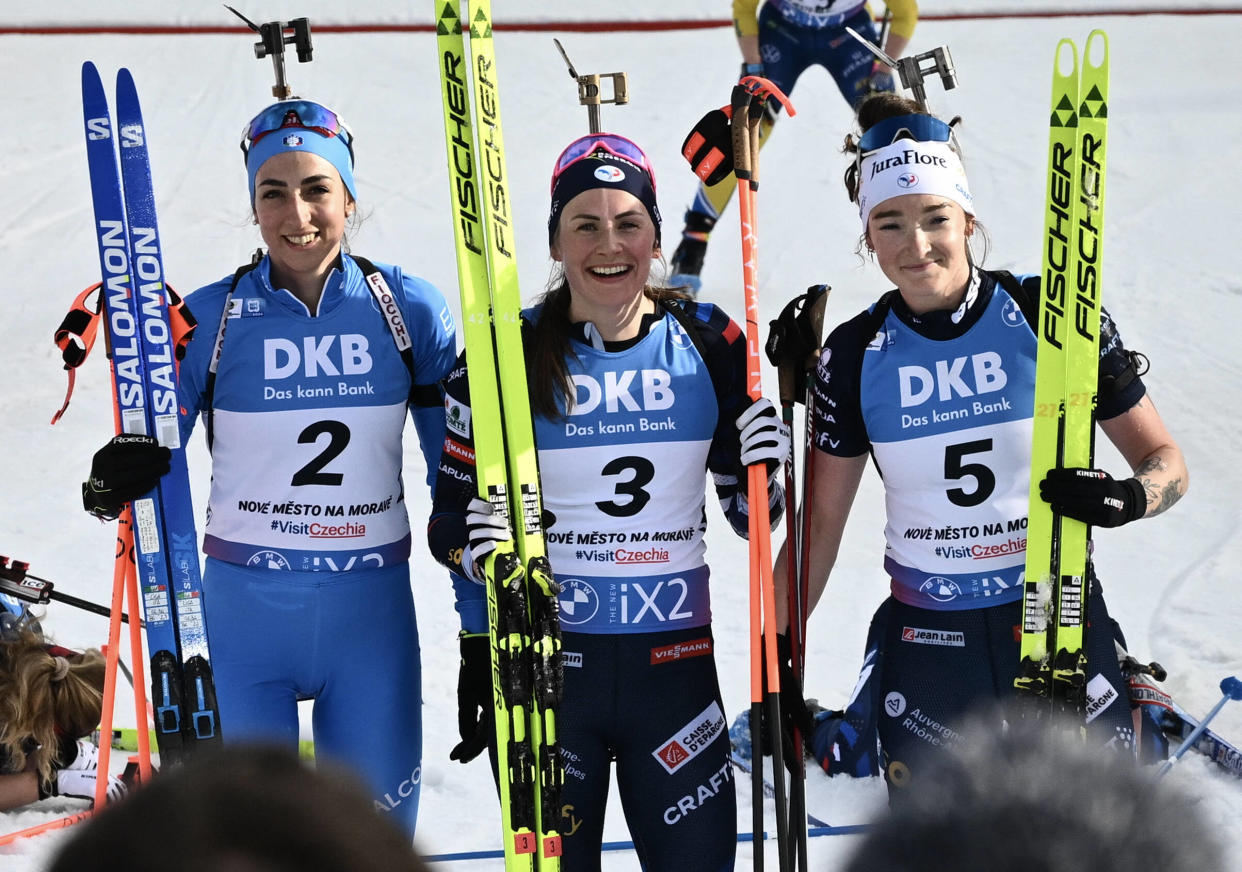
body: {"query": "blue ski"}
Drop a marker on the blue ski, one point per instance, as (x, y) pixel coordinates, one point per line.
(144, 373)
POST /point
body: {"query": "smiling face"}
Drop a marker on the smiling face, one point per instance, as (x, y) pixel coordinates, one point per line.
(920, 244)
(301, 206)
(605, 240)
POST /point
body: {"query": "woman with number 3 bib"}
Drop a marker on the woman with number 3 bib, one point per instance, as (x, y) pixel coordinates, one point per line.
(637, 393)
(936, 382)
(303, 369)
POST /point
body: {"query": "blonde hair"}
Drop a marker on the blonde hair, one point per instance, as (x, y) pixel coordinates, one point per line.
(44, 697)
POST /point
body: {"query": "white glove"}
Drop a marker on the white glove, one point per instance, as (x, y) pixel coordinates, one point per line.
(765, 437)
(80, 783)
(483, 530)
(87, 759)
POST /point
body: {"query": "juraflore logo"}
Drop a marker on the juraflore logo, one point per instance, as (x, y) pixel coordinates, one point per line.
(909, 157)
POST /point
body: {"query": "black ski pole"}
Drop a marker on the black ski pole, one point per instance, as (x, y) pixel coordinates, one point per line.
(17, 582)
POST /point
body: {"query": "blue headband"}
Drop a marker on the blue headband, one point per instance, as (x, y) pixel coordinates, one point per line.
(331, 148)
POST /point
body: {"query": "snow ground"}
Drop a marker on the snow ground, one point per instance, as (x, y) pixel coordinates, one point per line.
(1168, 281)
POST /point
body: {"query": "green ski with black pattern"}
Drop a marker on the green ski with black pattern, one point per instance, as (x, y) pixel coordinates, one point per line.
(1052, 671)
(524, 622)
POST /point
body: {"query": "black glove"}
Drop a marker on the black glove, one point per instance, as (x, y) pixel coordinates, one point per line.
(127, 467)
(1094, 496)
(474, 697)
(709, 146)
(794, 714)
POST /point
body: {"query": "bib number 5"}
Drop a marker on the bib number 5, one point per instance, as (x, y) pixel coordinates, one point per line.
(955, 469)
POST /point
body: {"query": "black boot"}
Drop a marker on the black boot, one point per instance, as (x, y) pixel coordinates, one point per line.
(687, 260)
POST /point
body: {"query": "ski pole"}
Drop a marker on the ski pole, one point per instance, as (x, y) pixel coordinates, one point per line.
(16, 581)
(1231, 687)
(747, 103)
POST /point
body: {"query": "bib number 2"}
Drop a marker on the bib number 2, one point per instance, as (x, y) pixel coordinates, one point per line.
(312, 473)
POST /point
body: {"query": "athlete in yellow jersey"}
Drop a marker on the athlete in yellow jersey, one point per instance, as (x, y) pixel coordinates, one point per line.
(779, 42)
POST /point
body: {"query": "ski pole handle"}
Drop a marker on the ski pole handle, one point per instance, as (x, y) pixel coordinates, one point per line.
(1231, 687)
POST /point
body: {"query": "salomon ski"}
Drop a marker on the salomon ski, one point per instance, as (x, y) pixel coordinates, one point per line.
(144, 372)
(521, 594)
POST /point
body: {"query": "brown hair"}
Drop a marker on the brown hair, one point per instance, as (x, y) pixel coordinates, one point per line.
(880, 107)
(871, 111)
(44, 697)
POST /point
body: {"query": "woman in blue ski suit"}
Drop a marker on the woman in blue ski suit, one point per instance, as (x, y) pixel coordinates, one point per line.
(637, 394)
(303, 369)
(935, 383)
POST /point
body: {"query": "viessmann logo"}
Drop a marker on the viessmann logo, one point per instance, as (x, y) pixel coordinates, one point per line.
(681, 650)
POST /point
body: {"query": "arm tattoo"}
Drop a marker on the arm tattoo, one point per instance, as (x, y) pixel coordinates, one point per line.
(1160, 497)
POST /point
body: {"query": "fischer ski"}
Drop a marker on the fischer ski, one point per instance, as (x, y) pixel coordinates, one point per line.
(1052, 667)
(140, 346)
(524, 623)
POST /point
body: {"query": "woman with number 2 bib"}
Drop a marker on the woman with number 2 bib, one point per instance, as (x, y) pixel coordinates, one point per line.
(637, 394)
(303, 369)
(935, 382)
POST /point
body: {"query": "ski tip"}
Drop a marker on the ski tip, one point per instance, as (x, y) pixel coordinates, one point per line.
(1095, 50)
(1066, 60)
(1231, 687)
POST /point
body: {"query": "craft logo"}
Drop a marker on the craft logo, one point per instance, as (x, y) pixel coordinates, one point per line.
(692, 739)
(681, 651)
(920, 636)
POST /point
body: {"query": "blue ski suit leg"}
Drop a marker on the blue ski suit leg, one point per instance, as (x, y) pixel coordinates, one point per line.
(346, 640)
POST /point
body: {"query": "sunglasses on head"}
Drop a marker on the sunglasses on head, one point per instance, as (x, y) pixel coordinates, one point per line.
(617, 146)
(923, 128)
(296, 114)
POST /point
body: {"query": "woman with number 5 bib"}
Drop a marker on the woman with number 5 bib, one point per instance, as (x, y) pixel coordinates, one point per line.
(637, 394)
(935, 382)
(303, 368)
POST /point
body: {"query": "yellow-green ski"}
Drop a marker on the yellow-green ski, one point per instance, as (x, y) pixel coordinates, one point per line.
(524, 624)
(1056, 585)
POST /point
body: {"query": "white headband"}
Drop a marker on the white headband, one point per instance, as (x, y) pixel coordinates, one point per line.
(909, 166)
